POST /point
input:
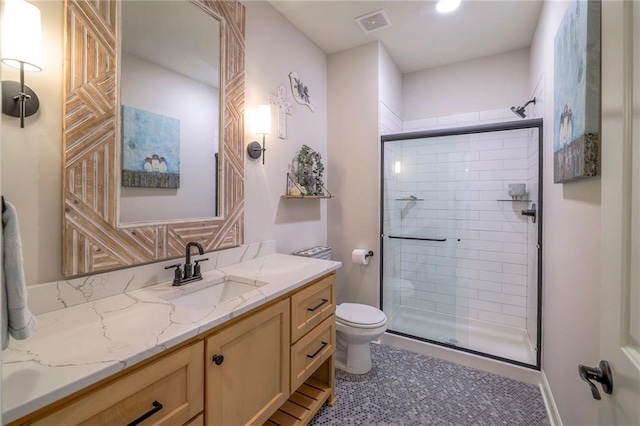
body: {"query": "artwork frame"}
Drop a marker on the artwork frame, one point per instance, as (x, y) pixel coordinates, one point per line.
(577, 109)
(150, 149)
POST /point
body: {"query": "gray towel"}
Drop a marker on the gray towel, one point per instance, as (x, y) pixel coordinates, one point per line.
(17, 320)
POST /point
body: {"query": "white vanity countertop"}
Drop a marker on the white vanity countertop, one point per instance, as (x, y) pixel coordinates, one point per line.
(81, 345)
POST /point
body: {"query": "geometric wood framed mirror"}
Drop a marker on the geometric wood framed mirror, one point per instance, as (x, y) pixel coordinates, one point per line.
(94, 239)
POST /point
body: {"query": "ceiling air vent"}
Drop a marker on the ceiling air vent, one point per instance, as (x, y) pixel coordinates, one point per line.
(373, 21)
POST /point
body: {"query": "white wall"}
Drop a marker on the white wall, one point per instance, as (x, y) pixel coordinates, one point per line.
(476, 85)
(353, 166)
(571, 254)
(156, 89)
(32, 157)
(274, 48)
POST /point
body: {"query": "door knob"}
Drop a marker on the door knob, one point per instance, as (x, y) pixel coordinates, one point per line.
(217, 359)
(601, 374)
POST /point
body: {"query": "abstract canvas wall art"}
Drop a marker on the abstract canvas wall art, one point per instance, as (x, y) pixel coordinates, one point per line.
(150, 149)
(576, 135)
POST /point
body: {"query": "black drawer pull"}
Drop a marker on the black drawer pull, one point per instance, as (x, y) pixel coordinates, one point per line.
(318, 305)
(324, 345)
(156, 407)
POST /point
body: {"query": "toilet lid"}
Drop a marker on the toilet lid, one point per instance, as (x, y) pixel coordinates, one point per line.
(358, 314)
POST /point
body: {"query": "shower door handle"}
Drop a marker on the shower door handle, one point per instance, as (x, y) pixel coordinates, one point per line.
(601, 374)
(530, 212)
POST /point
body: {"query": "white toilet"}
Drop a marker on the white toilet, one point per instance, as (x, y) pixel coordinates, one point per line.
(356, 326)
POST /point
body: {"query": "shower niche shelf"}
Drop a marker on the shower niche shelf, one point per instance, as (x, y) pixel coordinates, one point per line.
(409, 199)
(515, 201)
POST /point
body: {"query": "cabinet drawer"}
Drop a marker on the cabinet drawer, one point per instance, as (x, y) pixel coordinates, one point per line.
(312, 305)
(311, 351)
(169, 389)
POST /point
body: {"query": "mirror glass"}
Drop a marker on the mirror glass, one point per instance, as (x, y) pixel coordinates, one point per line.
(169, 111)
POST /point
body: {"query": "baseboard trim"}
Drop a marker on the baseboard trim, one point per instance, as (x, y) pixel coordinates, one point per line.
(549, 402)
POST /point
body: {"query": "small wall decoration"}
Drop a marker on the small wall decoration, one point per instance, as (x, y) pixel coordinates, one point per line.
(285, 108)
(306, 172)
(300, 91)
(150, 149)
(577, 93)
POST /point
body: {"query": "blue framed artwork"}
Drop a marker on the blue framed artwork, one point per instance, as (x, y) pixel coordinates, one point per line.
(576, 135)
(150, 149)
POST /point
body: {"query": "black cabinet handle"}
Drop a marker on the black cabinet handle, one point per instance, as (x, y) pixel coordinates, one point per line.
(217, 359)
(324, 345)
(156, 407)
(318, 305)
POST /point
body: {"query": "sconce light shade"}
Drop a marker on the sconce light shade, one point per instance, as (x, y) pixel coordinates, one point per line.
(22, 35)
(22, 49)
(263, 124)
(262, 127)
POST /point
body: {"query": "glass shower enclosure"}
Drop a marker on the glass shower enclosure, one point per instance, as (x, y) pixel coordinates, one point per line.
(461, 237)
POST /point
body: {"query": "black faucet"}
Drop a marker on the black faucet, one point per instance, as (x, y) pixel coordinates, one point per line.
(191, 272)
(188, 267)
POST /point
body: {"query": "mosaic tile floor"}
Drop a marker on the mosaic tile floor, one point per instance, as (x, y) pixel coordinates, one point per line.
(406, 388)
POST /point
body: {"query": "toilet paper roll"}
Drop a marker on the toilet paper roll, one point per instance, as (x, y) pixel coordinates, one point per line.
(360, 256)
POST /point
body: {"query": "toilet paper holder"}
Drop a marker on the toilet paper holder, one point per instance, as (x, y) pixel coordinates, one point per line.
(370, 254)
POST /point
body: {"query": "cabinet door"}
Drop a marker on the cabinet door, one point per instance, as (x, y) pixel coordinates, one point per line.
(252, 380)
(165, 392)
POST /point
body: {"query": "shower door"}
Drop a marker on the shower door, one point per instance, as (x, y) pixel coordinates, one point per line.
(461, 244)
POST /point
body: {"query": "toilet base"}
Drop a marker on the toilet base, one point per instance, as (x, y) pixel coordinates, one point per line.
(354, 358)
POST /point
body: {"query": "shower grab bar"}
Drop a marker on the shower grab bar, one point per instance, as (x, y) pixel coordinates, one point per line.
(400, 237)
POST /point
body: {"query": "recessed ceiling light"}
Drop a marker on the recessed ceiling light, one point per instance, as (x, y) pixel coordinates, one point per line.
(446, 6)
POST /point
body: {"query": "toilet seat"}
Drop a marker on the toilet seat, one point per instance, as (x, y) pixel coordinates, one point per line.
(360, 316)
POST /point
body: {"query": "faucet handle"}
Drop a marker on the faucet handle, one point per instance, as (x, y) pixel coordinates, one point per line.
(196, 267)
(177, 275)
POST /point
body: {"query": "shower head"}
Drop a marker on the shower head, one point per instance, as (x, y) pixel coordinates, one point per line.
(520, 111)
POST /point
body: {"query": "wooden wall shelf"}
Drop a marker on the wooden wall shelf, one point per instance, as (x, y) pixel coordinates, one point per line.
(311, 197)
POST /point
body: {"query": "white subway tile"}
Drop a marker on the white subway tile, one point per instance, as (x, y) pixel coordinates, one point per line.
(482, 305)
(515, 311)
(485, 286)
(503, 257)
(504, 299)
(486, 144)
(517, 290)
(435, 148)
(520, 164)
(511, 268)
(519, 248)
(503, 175)
(426, 305)
(489, 165)
(522, 142)
(458, 118)
(484, 245)
(501, 319)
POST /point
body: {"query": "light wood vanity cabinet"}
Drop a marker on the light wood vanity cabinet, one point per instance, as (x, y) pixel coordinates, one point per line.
(273, 365)
(252, 380)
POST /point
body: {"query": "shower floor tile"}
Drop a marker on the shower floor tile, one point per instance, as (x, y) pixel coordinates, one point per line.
(406, 388)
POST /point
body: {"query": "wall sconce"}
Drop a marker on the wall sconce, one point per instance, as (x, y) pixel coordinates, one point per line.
(263, 127)
(21, 49)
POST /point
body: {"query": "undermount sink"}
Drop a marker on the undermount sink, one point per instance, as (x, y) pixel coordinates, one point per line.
(204, 295)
